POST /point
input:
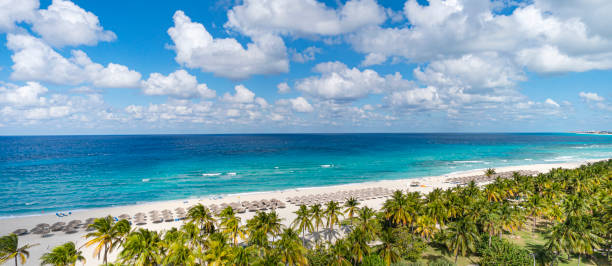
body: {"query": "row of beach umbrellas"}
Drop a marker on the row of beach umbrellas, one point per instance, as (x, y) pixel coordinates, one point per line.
(484, 178)
(341, 196)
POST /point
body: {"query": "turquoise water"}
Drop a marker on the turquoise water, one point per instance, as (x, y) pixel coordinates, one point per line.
(51, 173)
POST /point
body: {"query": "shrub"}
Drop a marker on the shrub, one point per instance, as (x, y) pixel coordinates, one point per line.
(318, 257)
(441, 262)
(410, 247)
(502, 252)
(373, 260)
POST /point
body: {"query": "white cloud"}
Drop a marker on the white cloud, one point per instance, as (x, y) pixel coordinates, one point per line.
(591, 96)
(473, 73)
(15, 11)
(35, 60)
(536, 38)
(551, 102)
(24, 95)
(196, 48)
(178, 84)
(283, 88)
(307, 55)
(242, 95)
(256, 17)
(548, 59)
(64, 23)
(338, 82)
(299, 104)
(31, 103)
(419, 98)
(374, 59)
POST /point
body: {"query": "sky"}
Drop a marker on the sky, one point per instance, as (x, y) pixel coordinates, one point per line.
(304, 66)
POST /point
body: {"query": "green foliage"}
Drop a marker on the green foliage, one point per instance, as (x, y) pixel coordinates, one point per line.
(410, 246)
(441, 262)
(573, 206)
(502, 252)
(319, 257)
(373, 260)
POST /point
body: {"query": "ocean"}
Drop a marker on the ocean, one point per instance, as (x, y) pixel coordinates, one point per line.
(60, 173)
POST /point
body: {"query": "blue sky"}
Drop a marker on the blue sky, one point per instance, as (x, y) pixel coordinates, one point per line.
(130, 67)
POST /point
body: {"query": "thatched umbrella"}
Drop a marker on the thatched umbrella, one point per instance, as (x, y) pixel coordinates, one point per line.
(59, 226)
(20, 232)
(42, 225)
(75, 223)
(70, 230)
(125, 216)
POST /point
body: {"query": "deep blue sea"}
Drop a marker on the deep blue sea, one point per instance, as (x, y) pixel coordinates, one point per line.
(51, 173)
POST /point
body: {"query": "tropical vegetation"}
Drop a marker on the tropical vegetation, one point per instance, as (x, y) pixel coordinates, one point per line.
(560, 217)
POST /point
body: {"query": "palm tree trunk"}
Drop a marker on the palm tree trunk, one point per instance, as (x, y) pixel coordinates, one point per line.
(15, 260)
(105, 254)
(490, 238)
(456, 255)
(578, 259)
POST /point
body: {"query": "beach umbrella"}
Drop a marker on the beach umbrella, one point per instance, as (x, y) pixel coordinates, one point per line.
(58, 226)
(42, 225)
(20, 232)
(124, 216)
(70, 230)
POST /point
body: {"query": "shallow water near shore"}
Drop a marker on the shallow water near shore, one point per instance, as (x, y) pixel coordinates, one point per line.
(50, 173)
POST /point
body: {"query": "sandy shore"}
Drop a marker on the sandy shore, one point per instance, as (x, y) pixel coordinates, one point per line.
(8, 225)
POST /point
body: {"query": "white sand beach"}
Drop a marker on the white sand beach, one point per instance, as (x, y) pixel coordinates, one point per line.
(426, 184)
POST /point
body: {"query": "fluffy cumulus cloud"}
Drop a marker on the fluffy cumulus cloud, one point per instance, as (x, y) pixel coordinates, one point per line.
(535, 36)
(254, 17)
(35, 60)
(590, 96)
(31, 103)
(64, 23)
(178, 84)
(299, 104)
(338, 82)
(473, 72)
(417, 98)
(15, 11)
(195, 47)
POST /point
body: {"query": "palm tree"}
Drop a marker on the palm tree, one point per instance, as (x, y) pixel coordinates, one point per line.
(9, 249)
(317, 215)
(359, 245)
(397, 209)
(332, 211)
(388, 249)
(508, 217)
(535, 207)
(242, 256)
(178, 252)
(435, 207)
(351, 206)
(303, 221)
(490, 221)
(122, 229)
(231, 225)
(366, 221)
(290, 249)
(65, 254)
(425, 226)
(218, 253)
(202, 217)
(461, 236)
(274, 224)
(104, 236)
(489, 172)
(142, 247)
(340, 252)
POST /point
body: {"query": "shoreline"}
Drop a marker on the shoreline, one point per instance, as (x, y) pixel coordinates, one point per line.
(221, 196)
(426, 185)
